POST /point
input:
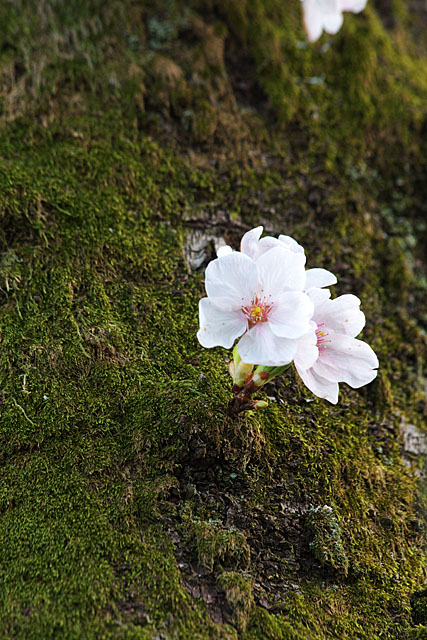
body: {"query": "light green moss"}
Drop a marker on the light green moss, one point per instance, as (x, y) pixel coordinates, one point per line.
(264, 626)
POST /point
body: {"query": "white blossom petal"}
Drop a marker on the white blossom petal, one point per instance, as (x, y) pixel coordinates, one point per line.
(233, 276)
(307, 351)
(330, 6)
(327, 15)
(318, 297)
(219, 327)
(249, 242)
(345, 359)
(281, 270)
(332, 21)
(267, 243)
(355, 6)
(313, 19)
(291, 244)
(254, 246)
(342, 315)
(224, 251)
(318, 278)
(291, 314)
(261, 346)
(319, 386)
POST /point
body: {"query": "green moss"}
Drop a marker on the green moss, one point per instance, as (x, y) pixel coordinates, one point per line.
(264, 626)
(101, 401)
(418, 633)
(132, 507)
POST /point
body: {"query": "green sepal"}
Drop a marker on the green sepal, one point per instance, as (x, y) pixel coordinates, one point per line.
(260, 378)
(236, 354)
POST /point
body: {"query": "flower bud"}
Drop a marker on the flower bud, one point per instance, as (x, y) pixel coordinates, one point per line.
(259, 404)
(242, 371)
(238, 369)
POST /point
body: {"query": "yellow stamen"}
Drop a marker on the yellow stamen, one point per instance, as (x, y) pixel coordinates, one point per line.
(257, 311)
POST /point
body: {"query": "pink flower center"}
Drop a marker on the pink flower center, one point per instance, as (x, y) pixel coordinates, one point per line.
(321, 337)
(257, 311)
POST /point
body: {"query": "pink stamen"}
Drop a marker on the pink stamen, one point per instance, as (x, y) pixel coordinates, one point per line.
(321, 338)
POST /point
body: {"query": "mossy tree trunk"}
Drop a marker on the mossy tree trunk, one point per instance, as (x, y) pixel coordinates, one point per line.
(135, 136)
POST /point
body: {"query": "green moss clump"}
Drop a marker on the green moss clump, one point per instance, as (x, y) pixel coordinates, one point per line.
(219, 545)
(238, 593)
(326, 538)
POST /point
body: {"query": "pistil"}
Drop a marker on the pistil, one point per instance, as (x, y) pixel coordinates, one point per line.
(257, 311)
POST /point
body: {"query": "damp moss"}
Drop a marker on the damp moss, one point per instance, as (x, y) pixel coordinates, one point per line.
(132, 507)
(238, 594)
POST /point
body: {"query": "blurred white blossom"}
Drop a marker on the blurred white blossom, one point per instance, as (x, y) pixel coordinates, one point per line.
(327, 15)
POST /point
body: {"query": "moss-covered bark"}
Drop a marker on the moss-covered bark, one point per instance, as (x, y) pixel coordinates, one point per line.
(134, 134)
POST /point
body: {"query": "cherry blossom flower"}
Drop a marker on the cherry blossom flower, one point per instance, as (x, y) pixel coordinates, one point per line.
(327, 15)
(254, 246)
(263, 301)
(329, 353)
(282, 312)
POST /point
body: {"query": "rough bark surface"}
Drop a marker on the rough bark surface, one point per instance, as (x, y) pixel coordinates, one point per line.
(136, 137)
